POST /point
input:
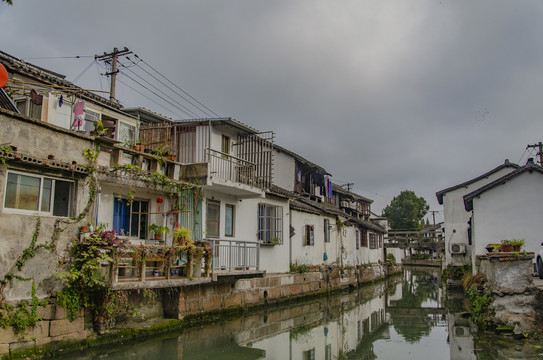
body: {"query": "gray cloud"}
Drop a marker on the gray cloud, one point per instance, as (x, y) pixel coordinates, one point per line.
(390, 95)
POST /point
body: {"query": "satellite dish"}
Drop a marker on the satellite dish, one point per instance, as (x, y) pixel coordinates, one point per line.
(3, 76)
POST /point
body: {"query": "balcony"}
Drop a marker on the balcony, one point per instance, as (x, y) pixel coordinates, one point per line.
(232, 174)
(234, 256)
(134, 267)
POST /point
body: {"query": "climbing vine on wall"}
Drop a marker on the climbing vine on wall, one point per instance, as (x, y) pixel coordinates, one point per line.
(22, 315)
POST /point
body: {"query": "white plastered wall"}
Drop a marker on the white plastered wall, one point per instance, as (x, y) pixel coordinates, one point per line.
(456, 217)
(511, 210)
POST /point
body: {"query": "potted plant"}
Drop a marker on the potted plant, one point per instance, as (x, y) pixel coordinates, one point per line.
(99, 128)
(517, 244)
(493, 247)
(158, 230)
(140, 144)
(181, 236)
(506, 246)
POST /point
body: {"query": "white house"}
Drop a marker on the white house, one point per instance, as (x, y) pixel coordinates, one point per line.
(456, 218)
(509, 207)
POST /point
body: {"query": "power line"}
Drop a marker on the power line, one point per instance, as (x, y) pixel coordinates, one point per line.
(147, 97)
(84, 71)
(214, 113)
(58, 57)
(188, 111)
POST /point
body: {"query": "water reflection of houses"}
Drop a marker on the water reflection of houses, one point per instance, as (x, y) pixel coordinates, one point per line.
(344, 326)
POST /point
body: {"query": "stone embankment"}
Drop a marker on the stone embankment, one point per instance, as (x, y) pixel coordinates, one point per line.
(515, 298)
(229, 294)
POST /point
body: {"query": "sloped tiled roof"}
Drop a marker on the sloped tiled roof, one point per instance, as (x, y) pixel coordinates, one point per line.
(14, 65)
(302, 159)
(340, 190)
(530, 167)
(506, 164)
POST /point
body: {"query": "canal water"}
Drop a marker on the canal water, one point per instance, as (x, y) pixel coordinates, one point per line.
(405, 317)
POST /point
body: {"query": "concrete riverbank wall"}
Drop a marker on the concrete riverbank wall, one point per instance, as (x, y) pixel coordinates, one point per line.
(226, 294)
(514, 297)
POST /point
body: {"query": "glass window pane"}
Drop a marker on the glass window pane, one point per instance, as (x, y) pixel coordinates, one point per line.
(46, 195)
(144, 206)
(134, 224)
(127, 133)
(62, 198)
(229, 220)
(213, 210)
(22, 192)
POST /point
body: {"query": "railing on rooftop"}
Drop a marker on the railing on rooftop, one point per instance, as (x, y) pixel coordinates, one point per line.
(233, 255)
(228, 167)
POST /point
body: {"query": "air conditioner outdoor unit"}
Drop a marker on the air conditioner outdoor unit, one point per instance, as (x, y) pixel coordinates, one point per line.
(461, 331)
(344, 204)
(458, 248)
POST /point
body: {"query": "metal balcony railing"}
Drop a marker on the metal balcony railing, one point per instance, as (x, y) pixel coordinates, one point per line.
(233, 255)
(228, 167)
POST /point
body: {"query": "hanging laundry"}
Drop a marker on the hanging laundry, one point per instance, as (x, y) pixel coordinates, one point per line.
(35, 97)
(60, 101)
(79, 114)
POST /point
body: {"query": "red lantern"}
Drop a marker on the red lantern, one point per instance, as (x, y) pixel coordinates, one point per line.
(3, 76)
(159, 200)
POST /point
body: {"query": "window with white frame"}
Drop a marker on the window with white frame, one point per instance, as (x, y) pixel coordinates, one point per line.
(270, 224)
(36, 193)
(229, 214)
(28, 107)
(130, 217)
(127, 133)
(90, 118)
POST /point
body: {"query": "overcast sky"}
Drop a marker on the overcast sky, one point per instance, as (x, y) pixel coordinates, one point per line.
(386, 94)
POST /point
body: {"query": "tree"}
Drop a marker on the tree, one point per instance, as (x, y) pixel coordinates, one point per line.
(406, 211)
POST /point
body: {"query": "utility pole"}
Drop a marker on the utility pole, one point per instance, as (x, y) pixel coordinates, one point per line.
(112, 58)
(434, 216)
(348, 185)
(540, 153)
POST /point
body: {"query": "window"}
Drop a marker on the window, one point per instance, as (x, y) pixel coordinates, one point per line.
(90, 118)
(309, 235)
(225, 146)
(270, 224)
(30, 107)
(309, 354)
(45, 195)
(357, 239)
(373, 242)
(127, 133)
(213, 218)
(364, 239)
(328, 352)
(229, 220)
(326, 230)
(380, 241)
(130, 218)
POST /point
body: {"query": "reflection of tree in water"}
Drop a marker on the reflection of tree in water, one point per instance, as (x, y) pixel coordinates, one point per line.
(408, 322)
